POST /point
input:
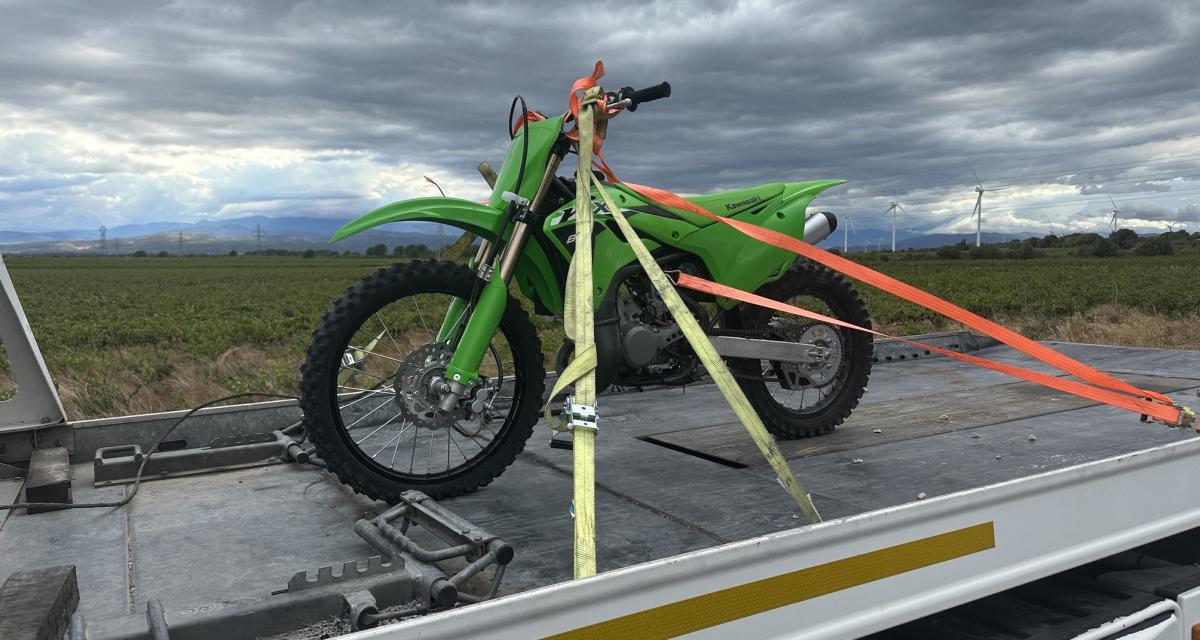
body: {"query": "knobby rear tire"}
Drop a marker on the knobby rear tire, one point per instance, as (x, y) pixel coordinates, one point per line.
(805, 278)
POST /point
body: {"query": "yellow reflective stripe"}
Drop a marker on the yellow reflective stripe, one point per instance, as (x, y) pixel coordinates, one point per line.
(713, 364)
(735, 603)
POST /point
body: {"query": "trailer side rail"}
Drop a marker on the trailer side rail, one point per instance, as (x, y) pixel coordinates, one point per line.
(850, 577)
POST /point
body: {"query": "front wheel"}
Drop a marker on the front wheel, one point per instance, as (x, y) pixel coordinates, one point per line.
(370, 378)
(801, 400)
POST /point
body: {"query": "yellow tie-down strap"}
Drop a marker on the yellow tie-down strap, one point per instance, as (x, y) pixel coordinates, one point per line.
(713, 363)
(745, 600)
(579, 326)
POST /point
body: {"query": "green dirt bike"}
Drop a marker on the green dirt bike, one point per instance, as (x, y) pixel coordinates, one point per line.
(430, 375)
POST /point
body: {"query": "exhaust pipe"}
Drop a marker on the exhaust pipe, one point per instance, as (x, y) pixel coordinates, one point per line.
(819, 226)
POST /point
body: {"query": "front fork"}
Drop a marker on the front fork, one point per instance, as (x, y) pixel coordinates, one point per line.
(463, 369)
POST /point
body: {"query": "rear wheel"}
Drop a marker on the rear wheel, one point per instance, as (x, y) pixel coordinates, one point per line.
(798, 400)
(369, 378)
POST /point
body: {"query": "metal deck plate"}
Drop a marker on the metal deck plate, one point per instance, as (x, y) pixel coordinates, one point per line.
(201, 539)
(901, 420)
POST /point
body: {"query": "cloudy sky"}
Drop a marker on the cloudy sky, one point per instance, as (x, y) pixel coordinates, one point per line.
(113, 113)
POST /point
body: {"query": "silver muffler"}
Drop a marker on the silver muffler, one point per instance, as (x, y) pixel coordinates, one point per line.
(819, 226)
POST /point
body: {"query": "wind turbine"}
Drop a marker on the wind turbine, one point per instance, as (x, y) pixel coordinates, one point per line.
(1171, 226)
(846, 233)
(892, 210)
(1112, 223)
(977, 213)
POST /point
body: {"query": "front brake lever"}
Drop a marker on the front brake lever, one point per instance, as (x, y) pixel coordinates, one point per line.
(614, 102)
(620, 105)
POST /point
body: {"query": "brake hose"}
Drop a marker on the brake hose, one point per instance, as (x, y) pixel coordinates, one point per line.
(512, 134)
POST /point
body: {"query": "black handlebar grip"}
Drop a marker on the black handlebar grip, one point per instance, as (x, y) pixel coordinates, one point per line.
(661, 90)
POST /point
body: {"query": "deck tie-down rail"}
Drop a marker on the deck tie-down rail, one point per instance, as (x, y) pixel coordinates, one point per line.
(120, 464)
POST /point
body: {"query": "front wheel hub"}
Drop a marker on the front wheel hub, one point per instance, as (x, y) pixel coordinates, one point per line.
(420, 386)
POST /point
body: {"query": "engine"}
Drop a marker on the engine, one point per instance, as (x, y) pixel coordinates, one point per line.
(653, 350)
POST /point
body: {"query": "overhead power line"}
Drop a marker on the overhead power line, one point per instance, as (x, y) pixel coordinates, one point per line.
(1065, 203)
(1123, 165)
(1137, 164)
(1161, 178)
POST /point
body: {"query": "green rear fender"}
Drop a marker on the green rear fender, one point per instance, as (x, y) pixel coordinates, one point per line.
(744, 263)
(481, 219)
(802, 193)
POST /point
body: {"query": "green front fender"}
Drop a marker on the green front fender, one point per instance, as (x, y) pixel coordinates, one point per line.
(533, 273)
(480, 219)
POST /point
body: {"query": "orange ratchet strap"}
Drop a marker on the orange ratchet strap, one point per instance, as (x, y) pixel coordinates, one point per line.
(1161, 412)
(1105, 389)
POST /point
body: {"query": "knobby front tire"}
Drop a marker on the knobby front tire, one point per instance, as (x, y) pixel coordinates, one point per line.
(329, 385)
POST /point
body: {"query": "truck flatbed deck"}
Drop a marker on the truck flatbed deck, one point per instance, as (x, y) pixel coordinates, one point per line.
(675, 473)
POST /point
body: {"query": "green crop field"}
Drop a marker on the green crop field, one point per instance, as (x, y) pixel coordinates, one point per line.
(124, 335)
(1051, 286)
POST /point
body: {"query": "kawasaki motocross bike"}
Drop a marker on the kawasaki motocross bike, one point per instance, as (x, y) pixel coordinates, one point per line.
(430, 375)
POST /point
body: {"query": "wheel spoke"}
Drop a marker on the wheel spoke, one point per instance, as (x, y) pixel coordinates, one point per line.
(389, 335)
(460, 452)
(373, 353)
(389, 421)
(421, 317)
(343, 386)
(389, 443)
(365, 415)
(372, 394)
(369, 375)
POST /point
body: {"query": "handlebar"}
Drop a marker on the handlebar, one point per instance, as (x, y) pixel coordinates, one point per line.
(633, 97)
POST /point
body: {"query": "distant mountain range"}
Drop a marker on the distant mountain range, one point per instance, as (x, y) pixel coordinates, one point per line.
(222, 236)
(881, 240)
(299, 233)
(935, 240)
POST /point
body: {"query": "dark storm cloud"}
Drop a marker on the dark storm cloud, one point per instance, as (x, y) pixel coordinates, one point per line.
(1189, 214)
(884, 93)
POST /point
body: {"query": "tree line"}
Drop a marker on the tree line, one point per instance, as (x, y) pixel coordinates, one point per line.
(1082, 245)
(409, 251)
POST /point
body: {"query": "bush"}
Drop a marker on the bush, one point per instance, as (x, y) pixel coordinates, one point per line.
(1160, 246)
(1077, 239)
(139, 254)
(985, 252)
(233, 253)
(949, 252)
(309, 253)
(377, 250)
(162, 254)
(418, 252)
(1100, 248)
(1123, 238)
